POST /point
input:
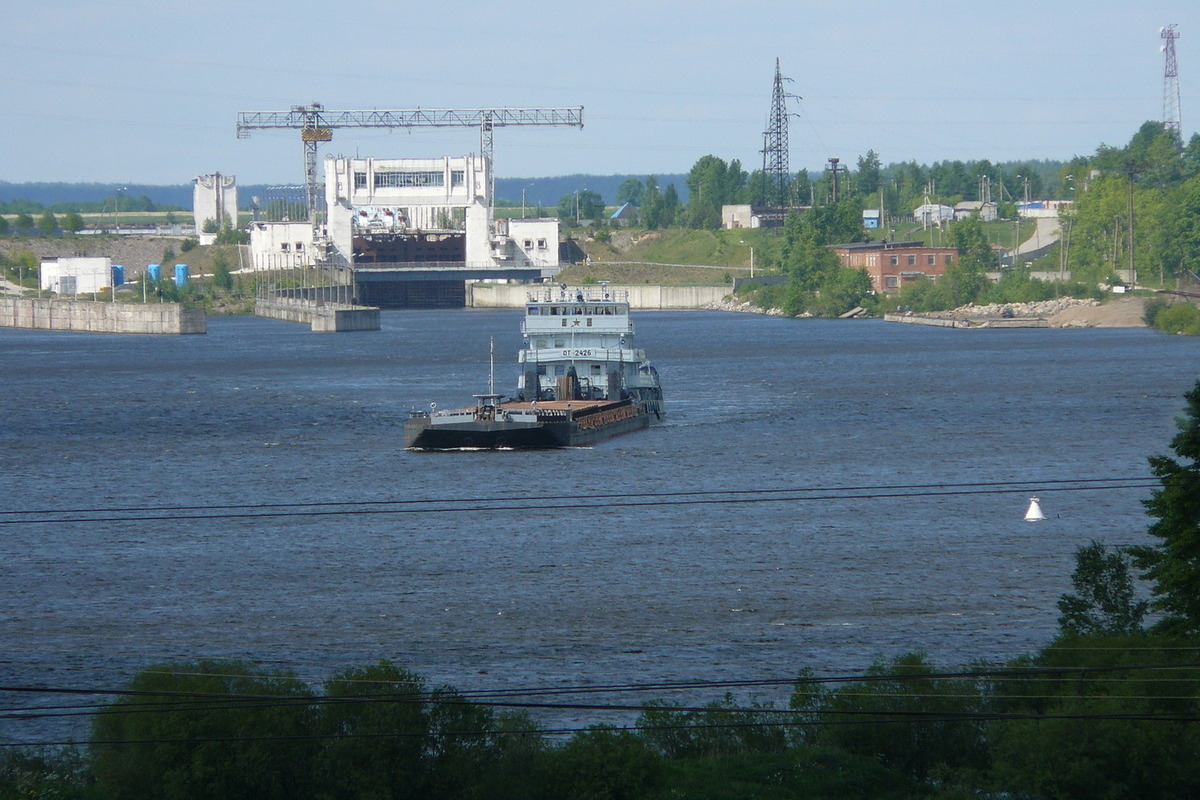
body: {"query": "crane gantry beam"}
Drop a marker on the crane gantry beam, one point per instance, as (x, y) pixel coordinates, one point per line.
(316, 125)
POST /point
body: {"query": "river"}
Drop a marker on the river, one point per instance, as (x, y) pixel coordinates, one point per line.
(573, 591)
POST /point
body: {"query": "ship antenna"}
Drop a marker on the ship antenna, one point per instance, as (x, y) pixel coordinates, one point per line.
(492, 365)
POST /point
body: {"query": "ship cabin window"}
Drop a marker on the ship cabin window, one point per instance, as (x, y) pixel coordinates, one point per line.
(589, 319)
(541, 244)
(541, 343)
(564, 322)
(559, 369)
(533, 311)
(554, 311)
(529, 244)
(558, 343)
(596, 369)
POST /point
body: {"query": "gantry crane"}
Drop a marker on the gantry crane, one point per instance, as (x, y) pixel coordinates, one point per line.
(316, 125)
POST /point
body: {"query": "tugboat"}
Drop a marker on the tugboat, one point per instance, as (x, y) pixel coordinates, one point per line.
(582, 381)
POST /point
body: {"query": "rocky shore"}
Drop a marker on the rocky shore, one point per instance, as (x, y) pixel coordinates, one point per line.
(1063, 312)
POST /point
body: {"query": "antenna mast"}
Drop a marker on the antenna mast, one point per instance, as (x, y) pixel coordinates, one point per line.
(1171, 120)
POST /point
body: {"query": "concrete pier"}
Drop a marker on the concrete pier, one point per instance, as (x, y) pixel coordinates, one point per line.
(321, 317)
(100, 317)
(955, 322)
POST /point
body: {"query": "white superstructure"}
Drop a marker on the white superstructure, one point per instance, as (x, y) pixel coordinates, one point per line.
(579, 345)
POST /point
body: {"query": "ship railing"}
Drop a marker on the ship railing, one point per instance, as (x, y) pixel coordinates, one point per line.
(577, 294)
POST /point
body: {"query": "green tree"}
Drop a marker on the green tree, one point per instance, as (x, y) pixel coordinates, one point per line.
(203, 730)
(47, 224)
(1104, 599)
(1173, 564)
(670, 206)
(72, 222)
(36, 774)
(222, 277)
(867, 176)
(605, 764)
(974, 251)
(904, 715)
(651, 204)
(711, 184)
(210, 226)
(630, 191)
(3, 226)
(24, 222)
(377, 728)
(1099, 717)
(579, 206)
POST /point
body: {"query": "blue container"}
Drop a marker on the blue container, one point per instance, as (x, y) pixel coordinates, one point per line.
(118, 275)
(181, 275)
(154, 271)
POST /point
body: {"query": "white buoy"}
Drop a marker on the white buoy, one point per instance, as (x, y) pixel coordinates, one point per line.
(1035, 511)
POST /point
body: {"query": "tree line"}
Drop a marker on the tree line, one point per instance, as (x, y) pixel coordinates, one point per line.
(1110, 708)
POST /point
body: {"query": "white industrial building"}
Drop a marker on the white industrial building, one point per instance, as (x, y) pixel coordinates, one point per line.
(214, 197)
(76, 275)
(409, 211)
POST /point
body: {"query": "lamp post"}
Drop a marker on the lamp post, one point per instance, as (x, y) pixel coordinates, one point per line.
(117, 209)
(523, 201)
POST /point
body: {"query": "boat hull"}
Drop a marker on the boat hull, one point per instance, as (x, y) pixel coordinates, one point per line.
(593, 425)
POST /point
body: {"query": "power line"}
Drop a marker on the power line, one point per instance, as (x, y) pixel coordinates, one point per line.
(539, 502)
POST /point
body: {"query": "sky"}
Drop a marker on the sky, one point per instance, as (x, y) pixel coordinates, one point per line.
(144, 91)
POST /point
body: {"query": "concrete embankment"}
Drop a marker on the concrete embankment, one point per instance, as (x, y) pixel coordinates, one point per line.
(952, 322)
(98, 317)
(321, 317)
(645, 297)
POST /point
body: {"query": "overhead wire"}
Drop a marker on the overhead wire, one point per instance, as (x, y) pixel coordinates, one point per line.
(613, 500)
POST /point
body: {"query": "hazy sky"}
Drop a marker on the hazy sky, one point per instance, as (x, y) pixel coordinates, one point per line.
(147, 91)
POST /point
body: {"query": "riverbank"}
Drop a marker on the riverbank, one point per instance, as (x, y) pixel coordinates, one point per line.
(1063, 312)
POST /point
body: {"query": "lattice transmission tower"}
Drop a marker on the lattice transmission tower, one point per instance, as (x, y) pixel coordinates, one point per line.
(1170, 82)
(776, 178)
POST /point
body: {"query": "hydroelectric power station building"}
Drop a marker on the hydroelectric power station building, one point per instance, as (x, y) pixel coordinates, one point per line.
(411, 232)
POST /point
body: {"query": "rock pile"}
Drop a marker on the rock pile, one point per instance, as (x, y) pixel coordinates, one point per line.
(1043, 308)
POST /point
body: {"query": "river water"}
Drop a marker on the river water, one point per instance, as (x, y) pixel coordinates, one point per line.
(574, 591)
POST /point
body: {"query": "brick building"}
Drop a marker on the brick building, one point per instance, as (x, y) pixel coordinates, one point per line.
(892, 264)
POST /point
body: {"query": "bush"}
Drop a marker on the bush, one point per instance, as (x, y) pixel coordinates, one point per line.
(1181, 318)
(1154, 306)
(188, 244)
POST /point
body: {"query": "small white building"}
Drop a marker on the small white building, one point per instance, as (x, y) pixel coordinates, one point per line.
(76, 275)
(933, 213)
(985, 211)
(739, 216)
(282, 245)
(214, 198)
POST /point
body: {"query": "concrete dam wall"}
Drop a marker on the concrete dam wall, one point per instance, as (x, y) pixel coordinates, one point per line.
(98, 317)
